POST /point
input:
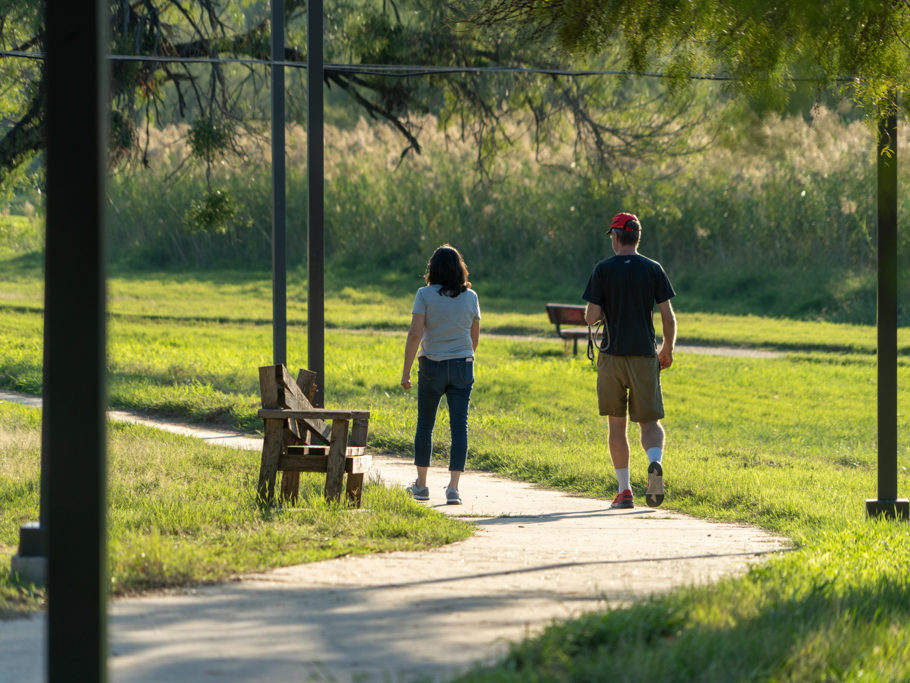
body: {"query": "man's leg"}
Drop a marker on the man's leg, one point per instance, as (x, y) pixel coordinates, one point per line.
(619, 453)
(619, 442)
(652, 440)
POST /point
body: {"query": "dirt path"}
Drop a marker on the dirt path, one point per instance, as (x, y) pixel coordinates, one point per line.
(538, 556)
(732, 351)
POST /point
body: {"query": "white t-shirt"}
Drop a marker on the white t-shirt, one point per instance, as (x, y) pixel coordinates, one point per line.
(447, 322)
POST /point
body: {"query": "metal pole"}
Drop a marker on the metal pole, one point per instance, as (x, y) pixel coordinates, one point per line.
(315, 190)
(279, 255)
(74, 340)
(887, 503)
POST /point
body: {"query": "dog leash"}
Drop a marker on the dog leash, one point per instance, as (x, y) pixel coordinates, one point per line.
(593, 331)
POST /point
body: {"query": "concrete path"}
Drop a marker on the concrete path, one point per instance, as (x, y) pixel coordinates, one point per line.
(538, 556)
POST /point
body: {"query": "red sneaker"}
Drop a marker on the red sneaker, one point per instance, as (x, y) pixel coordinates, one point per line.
(623, 500)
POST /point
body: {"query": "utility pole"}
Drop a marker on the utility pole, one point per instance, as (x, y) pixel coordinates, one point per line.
(887, 504)
(279, 211)
(75, 393)
(316, 197)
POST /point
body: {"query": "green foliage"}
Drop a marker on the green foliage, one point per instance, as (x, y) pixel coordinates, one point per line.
(221, 99)
(214, 213)
(207, 140)
(20, 235)
(123, 136)
(859, 47)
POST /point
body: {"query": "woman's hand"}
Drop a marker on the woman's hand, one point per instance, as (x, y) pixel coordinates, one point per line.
(406, 382)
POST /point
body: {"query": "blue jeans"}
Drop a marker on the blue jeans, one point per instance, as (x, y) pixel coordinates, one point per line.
(454, 378)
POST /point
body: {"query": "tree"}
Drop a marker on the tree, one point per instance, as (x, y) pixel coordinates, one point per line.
(221, 99)
(860, 47)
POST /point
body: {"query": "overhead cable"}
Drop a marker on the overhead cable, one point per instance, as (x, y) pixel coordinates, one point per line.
(401, 70)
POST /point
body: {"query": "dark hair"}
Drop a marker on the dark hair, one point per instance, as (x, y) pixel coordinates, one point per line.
(446, 267)
(627, 237)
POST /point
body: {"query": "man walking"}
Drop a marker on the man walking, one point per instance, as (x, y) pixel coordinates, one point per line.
(622, 291)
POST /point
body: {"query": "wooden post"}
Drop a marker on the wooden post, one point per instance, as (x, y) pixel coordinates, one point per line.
(334, 476)
(268, 387)
(354, 485)
(290, 487)
(290, 480)
(306, 380)
(271, 451)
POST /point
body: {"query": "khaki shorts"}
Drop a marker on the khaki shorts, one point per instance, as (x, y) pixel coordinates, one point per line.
(632, 381)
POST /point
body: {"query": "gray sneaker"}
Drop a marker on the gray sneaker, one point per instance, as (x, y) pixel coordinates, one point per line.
(452, 497)
(418, 492)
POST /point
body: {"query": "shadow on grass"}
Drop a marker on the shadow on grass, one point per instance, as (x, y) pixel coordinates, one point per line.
(31, 264)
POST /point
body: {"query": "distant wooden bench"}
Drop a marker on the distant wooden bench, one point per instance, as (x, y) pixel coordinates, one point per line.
(569, 314)
(297, 438)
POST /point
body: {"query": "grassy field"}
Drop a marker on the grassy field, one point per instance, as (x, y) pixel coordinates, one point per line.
(183, 512)
(355, 302)
(786, 443)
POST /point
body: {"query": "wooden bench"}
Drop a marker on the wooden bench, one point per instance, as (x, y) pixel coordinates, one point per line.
(298, 439)
(569, 314)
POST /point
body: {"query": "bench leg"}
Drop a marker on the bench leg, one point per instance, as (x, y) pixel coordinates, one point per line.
(290, 487)
(290, 481)
(271, 450)
(354, 488)
(334, 476)
(574, 346)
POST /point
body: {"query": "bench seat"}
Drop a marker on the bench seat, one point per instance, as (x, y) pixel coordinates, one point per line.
(569, 314)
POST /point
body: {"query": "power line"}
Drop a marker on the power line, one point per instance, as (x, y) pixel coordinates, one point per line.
(401, 70)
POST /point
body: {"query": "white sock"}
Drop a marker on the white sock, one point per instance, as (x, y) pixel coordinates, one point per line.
(655, 454)
(622, 478)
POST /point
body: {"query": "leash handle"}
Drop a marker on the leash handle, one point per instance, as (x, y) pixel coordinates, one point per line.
(592, 334)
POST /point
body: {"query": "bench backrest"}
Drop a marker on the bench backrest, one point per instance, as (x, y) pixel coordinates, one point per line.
(278, 390)
(566, 314)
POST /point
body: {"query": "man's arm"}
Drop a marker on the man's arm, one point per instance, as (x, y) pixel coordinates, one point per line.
(668, 318)
(593, 313)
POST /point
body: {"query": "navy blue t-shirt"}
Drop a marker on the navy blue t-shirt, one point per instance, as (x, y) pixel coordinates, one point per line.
(626, 288)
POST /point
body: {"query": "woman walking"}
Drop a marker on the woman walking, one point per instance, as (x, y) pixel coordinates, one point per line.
(445, 327)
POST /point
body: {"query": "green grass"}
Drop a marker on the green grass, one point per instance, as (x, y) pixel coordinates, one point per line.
(837, 610)
(20, 234)
(355, 302)
(766, 429)
(787, 443)
(182, 512)
(760, 424)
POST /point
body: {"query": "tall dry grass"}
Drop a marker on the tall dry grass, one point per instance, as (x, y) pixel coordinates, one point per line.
(786, 199)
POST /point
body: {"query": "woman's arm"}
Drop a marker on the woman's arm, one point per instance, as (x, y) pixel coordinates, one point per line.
(475, 333)
(415, 334)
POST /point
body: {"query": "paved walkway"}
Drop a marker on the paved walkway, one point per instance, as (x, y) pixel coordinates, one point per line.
(538, 556)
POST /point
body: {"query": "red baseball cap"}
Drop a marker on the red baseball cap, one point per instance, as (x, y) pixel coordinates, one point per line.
(626, 221)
